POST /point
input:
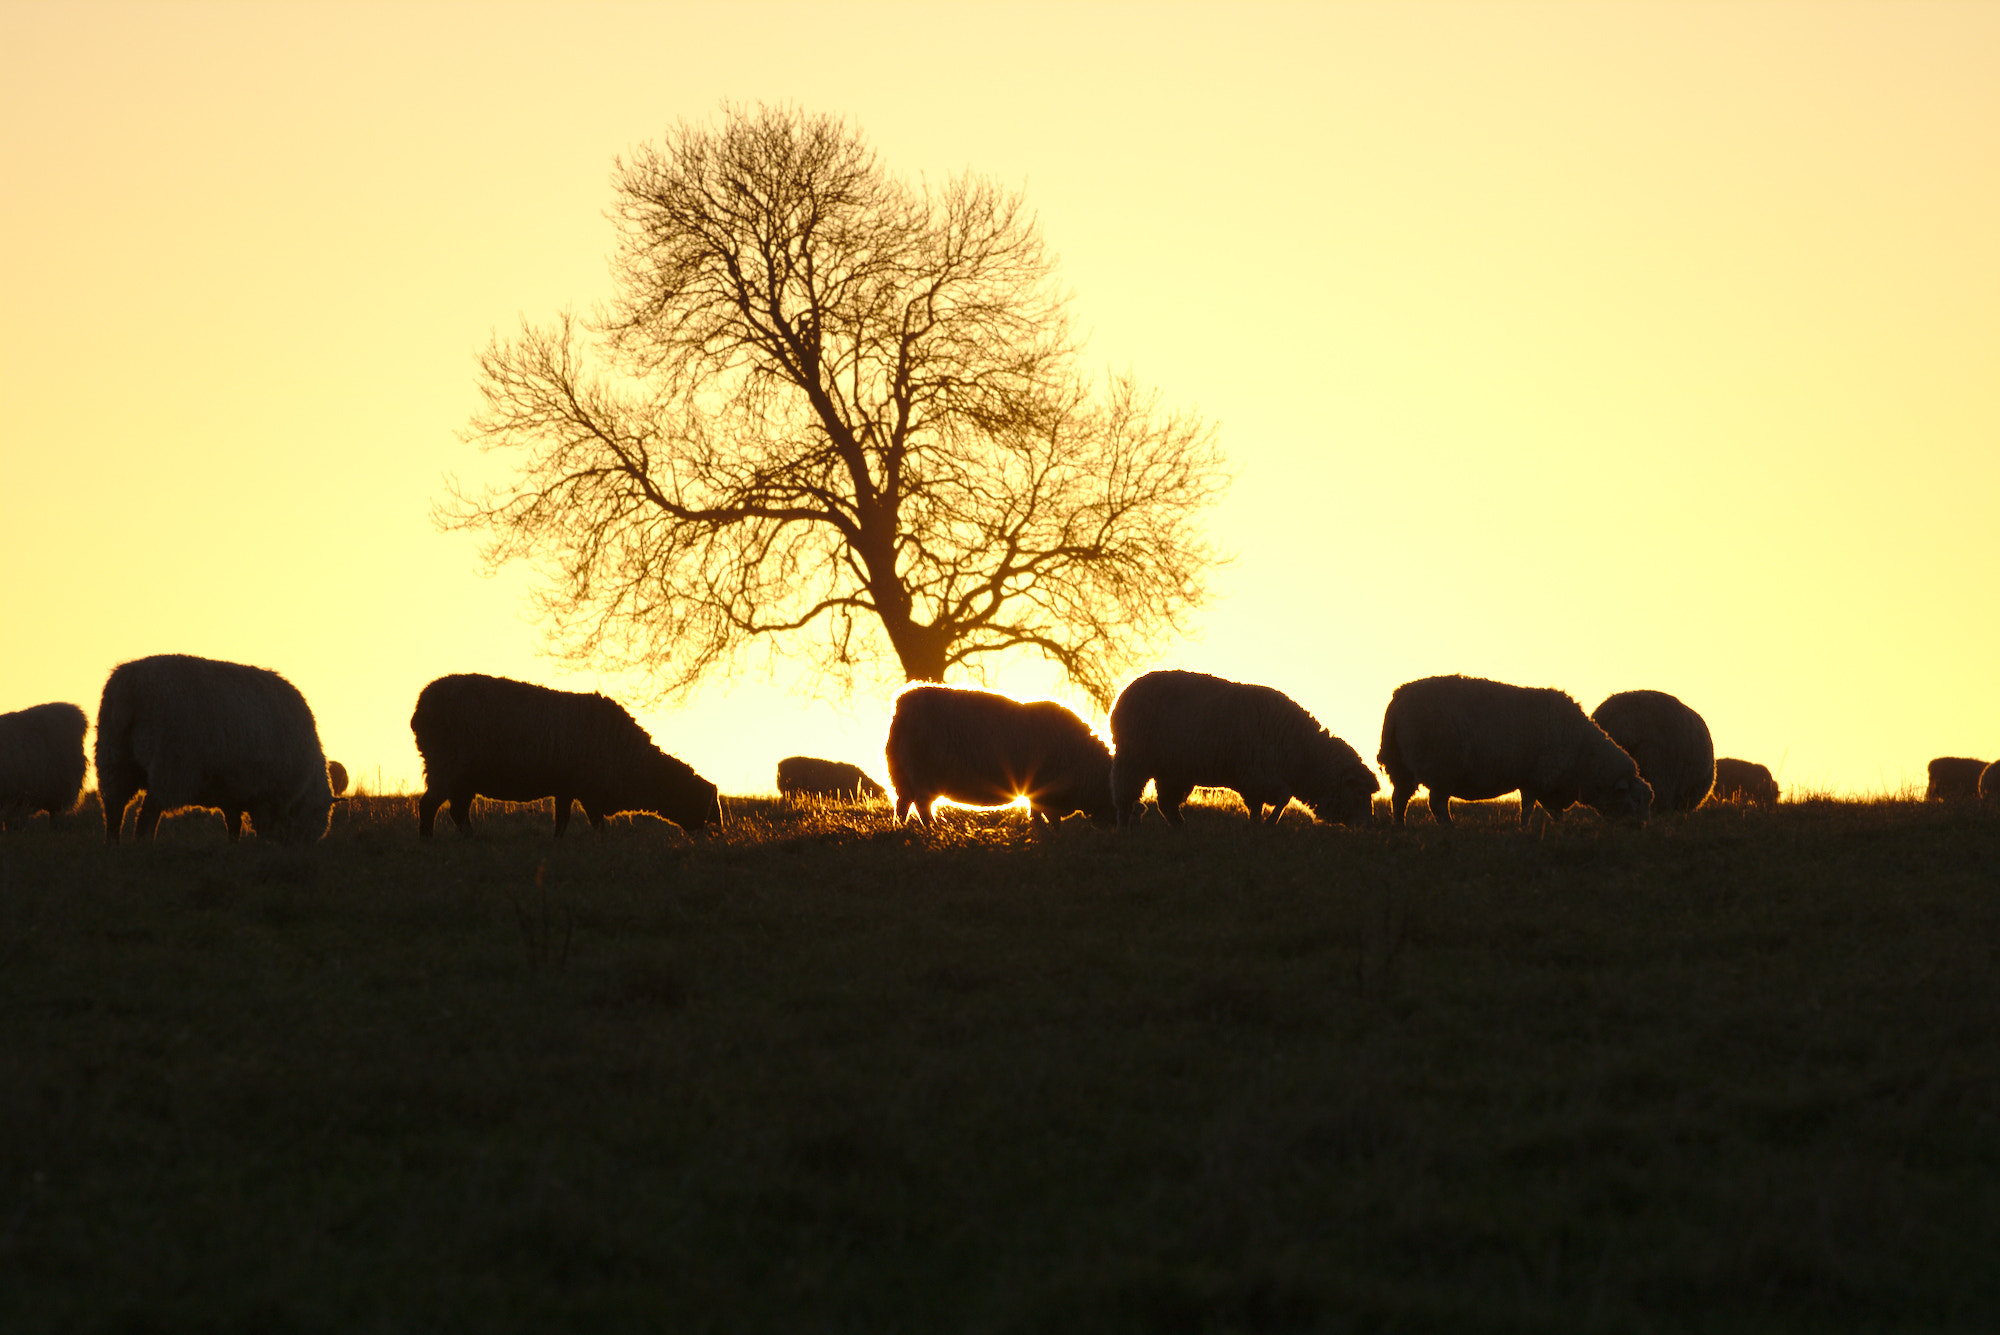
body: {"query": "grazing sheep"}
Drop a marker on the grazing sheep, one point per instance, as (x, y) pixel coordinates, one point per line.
(1989, 783)
(1181, 729)
(336, 777)
(985, 749)
(505, 739)
(1667, 741)
(810, 776)
(1744, 781)
(1954, 778)
(195, 732)
(41, 762)
(1471, 738)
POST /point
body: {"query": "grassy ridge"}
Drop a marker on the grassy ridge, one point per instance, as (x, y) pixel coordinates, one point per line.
(1734, 1072)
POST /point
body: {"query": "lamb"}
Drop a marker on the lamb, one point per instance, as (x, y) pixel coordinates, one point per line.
(1181, 729)
(1743, 781)
(41, 762)
(1954, 778)
(196, 732)
(1668, 741)
(1471, 738)
(986, 749)
(810, 776)
(505, 739)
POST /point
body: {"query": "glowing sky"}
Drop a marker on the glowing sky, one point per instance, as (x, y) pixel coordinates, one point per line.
(1596, 346)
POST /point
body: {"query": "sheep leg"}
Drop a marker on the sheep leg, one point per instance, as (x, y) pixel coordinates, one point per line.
(562, 813)
(595, 816)
(1399, 800)
(149, 818)
(1440, 804)
(461, 810)
(1127, 786)
(235, 819)
(114, 801)
(427, 810)
(1170, 796)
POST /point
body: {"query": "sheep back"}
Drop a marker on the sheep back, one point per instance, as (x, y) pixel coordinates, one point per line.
(1743, 781)
(1470, 738)
(41, 761)
(1187, 729)
(1668, 741)
(986, 749)
(198, 732)
(1953, 778)
(483, 736)
(810, 776)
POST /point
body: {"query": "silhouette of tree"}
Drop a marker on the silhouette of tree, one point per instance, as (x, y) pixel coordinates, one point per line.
(829, 413)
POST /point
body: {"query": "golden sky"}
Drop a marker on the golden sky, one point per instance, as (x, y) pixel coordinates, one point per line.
(1599, 346)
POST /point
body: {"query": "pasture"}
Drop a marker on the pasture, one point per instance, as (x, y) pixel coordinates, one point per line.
(1734, 1072)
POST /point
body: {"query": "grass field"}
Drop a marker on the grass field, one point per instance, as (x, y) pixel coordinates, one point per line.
(1737, 1072)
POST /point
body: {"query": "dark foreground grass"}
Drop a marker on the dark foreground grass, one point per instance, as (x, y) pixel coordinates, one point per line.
(1738, 1072)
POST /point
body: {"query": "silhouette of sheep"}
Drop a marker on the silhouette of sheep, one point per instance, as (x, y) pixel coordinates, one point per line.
(41, 762)
(986, 749)
(500, 738)
(198, 732)
(1471, 738)
(1182, 729)
(1668, 741)
(1743, 781)
(1954, 778)
(804, 776)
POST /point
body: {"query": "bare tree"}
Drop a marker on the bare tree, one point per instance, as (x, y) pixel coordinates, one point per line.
(827, 413)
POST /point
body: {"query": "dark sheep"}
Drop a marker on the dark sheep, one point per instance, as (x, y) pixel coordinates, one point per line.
(805, 776)
(1183, 729)
(195, 732)
(1668, 741)
(1470, 738)
(1744, 781)
(1954, 778)
(985, 749)
(504, 739)
(41, 762)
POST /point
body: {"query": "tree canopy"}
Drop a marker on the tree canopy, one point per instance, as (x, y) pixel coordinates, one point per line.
(838, 416)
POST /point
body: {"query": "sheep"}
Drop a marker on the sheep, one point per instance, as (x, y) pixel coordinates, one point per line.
(1742, 780)
(1668, 741)
(41, 762)
(1953, 778)
(336, 777)
(505, 739)
(1471, 738)
(1181, 729)
(986, 749)
(196, 732)
(809, 776)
